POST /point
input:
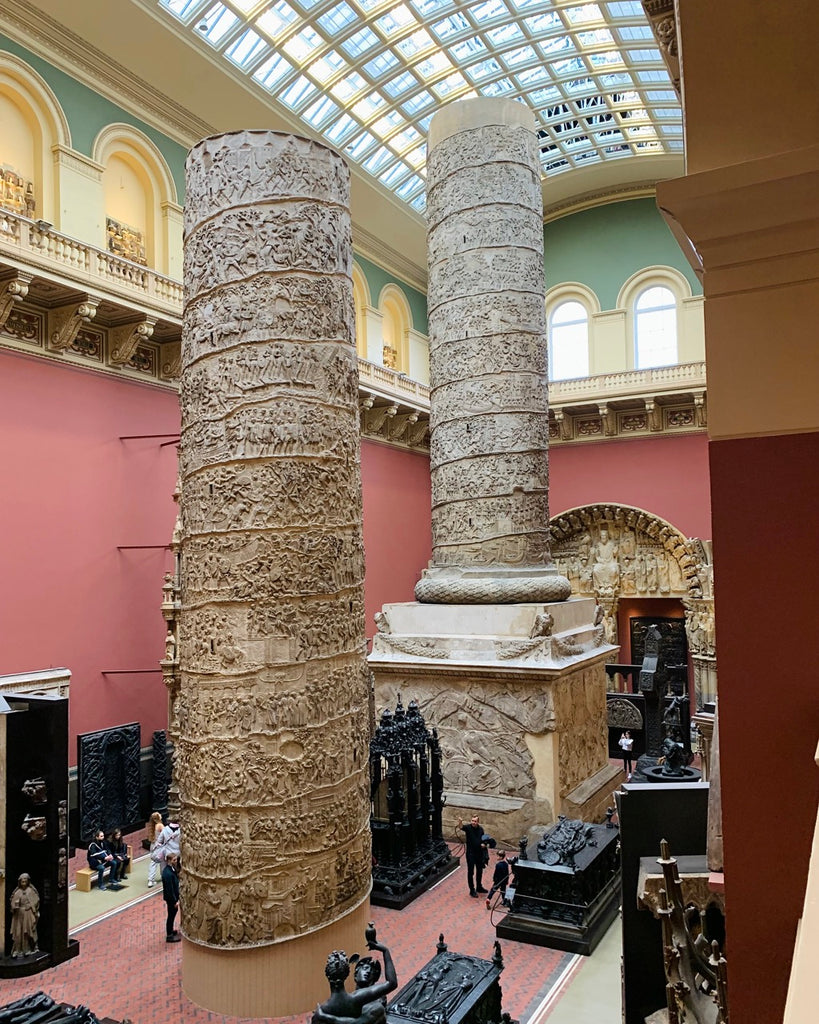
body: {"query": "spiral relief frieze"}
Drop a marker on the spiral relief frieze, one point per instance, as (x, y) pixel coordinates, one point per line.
(273, 700)
(489, 425)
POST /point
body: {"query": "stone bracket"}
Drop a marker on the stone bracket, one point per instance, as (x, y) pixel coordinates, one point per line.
(564, 425)
(14, 290)
(123, 341)
(171, 360)
(608, 416)
(65, 321)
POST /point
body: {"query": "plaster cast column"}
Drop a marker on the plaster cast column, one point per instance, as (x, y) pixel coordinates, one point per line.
(489, 414)
(272, 754)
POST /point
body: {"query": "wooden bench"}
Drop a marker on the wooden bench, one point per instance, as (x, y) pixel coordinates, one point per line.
(87, 877)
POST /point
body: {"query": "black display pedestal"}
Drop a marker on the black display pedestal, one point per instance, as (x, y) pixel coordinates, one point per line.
(649, 813)
(451, 988)
(567, 908)
(34, 831)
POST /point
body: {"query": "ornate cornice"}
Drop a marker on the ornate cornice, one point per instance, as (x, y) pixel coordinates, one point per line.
(373, 248)
(601, 197)
(67, 51)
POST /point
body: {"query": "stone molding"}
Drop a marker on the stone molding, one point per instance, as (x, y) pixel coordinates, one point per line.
(78, 162)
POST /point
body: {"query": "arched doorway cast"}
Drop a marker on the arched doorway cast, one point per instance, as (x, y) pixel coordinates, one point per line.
(617, 551)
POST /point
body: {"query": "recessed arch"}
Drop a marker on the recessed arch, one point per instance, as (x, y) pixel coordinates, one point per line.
(361, 302)
(40, 113)
(137, 184)
(613, 552)
(396, 325)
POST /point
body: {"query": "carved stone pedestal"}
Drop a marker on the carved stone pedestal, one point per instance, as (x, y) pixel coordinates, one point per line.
(517, 695)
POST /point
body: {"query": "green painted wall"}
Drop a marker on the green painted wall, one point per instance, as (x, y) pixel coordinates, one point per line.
(377, 278)
(603, 247)
(88, 113)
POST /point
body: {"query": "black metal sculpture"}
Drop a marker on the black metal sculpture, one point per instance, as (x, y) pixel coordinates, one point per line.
(161, 772)
(567, 896)
(406, 793)
(367, 1004)
(452, 988)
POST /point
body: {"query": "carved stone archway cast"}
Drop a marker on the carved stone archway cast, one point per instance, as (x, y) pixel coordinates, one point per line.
(614, 551)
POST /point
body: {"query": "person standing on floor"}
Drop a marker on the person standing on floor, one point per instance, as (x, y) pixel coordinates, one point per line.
(500, 878)
(170, 893)
(626, 744)
(152, 830)
(473, 841)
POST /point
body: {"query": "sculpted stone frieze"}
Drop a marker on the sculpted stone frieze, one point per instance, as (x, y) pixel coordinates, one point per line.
(288, 307)
(499, 183)
(468, 274)
(462, 399)
(270, 495)
(488, 360)
(499, 434)
(271, 717)
(490, 477)
(485, 145)
(517, 328)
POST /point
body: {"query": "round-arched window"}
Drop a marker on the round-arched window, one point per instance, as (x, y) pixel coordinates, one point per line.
(568, 341)
(655, 328)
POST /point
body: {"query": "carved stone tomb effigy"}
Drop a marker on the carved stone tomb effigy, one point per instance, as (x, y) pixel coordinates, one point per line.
(507, 669)
(272, 711)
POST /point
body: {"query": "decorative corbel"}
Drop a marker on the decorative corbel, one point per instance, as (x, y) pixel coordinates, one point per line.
(376, 418)
(171, 360)
(609, 419)
(65, 321)
(123, 341)
(700, 409)
(565, 425)
(418, 433)
(401, 424)
(13, 290)
(655, 414)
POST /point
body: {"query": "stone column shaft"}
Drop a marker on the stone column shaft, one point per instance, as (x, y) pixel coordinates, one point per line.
(273, 705)
(489, 400)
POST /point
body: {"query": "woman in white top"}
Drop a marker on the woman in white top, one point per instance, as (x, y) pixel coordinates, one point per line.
(152, 830)
(626, 744)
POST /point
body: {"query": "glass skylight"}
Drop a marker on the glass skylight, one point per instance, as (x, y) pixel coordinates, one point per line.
(367, 75)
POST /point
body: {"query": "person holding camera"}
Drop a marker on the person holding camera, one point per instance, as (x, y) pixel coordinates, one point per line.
(500, 878)
(476, 853)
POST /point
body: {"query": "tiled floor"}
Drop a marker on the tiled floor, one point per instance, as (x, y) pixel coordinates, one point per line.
(125, 967)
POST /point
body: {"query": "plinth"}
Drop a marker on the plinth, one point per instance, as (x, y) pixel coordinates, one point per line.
(517, 696)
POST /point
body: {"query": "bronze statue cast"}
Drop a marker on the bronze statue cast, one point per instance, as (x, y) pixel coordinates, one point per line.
(367, 1004)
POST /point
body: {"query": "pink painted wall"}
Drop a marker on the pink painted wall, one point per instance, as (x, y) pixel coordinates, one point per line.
(397, 534)
(72, 491)
(667, 476)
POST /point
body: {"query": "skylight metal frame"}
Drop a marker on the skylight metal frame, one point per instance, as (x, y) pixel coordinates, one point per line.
(368, 75)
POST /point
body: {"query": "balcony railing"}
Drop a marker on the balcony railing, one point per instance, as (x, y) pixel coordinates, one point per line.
(36, 244)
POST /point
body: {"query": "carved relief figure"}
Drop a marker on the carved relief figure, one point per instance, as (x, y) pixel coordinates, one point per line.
(606, 571)
(25, 913)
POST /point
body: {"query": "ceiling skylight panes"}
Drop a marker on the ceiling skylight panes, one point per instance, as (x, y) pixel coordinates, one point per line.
(367, 75)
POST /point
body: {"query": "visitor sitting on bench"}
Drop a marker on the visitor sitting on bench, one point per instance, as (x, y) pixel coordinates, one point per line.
(118, 849)
(99, 859)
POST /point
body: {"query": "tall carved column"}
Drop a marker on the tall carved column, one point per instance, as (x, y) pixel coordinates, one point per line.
(488, 360)
(273, 705)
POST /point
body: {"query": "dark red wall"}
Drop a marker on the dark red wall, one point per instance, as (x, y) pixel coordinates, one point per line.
(72, 491)
(397, 535)
(667, 476)
(765, 494)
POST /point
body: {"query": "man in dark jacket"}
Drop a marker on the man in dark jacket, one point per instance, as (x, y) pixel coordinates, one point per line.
(99, 859)
(475, 852)
(170, 893)
(500, 878)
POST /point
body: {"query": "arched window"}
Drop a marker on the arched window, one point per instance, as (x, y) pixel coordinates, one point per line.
(655, 328)
(568, 341)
